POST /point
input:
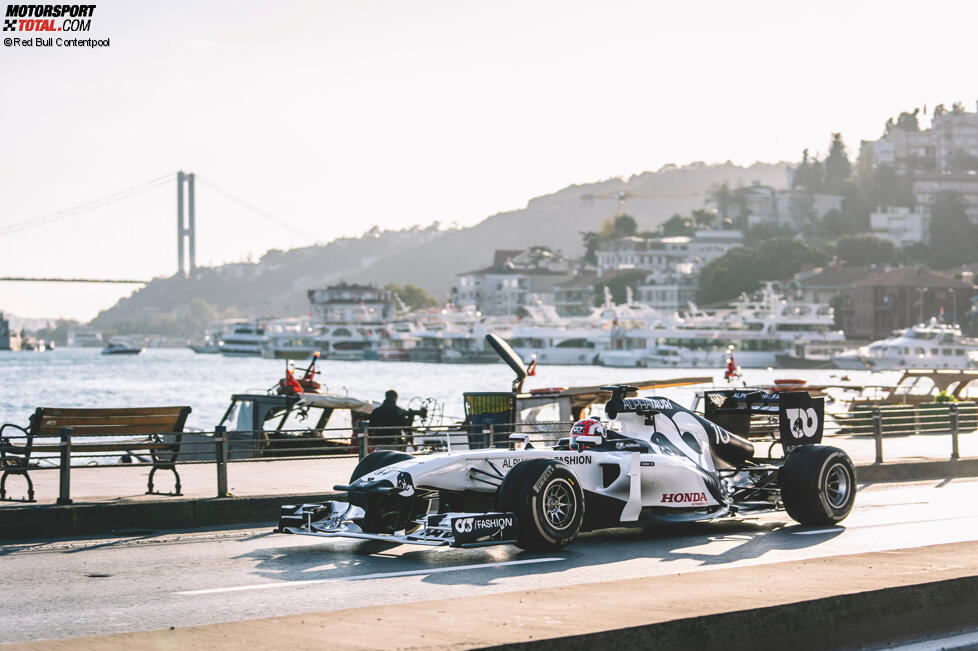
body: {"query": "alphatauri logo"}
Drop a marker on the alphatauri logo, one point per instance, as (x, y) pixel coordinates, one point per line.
(804, 422)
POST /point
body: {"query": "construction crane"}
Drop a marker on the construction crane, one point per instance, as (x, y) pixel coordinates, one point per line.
(624, 195)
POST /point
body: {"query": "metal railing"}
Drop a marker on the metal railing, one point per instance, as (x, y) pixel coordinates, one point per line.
(222, 447)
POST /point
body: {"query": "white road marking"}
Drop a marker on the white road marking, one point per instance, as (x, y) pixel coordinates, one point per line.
(362, 577)
(818, 531)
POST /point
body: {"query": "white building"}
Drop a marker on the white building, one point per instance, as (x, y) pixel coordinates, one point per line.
(954, 131)
(926, 187)
(792, 208)
(345, 303)
(901, 225)
(926, 150)
(665, 253)
(515, 279)
(669, 291)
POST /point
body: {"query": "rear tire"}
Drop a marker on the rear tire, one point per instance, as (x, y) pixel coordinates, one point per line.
(818, 484)
(547, 500)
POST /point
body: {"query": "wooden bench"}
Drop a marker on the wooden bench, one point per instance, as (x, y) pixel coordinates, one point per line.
(148, 424)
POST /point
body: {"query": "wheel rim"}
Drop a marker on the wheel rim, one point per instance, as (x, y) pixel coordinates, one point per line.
(559, 504)
(837, 484)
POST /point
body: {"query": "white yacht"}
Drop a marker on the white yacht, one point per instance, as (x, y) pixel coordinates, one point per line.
(756, 329)
(925, 346)
(552, 339)
(290, 339)
(121, 346)
(244, 340)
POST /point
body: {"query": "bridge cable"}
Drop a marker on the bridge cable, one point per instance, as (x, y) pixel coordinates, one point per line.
(258, 211)
(106, 200)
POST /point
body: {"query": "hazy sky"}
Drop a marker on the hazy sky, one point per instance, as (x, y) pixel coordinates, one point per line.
(336, 116)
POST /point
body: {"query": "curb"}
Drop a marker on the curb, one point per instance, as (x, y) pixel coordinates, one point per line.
(52, 521)
(917, 470)
(846, 621)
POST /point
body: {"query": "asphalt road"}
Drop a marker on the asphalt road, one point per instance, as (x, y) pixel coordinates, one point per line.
(71, 588)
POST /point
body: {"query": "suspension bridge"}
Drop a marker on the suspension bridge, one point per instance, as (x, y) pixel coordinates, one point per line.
(186, 215)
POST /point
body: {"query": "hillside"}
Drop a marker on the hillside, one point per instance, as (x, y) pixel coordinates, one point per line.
(430, 257)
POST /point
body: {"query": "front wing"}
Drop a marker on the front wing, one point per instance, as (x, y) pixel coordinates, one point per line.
(338, 519)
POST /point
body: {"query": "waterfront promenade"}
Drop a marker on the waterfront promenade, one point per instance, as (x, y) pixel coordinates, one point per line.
(319, 475)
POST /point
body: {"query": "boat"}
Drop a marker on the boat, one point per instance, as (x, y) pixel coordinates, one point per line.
(289, 339)
(119, 346)
(923, 346)
(244, 340)
(756, 328)
(808, 354)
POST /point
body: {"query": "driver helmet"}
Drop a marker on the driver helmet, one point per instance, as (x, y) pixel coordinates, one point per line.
(585, 427)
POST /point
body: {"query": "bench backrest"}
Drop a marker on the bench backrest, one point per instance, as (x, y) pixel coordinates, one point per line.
(48, 421)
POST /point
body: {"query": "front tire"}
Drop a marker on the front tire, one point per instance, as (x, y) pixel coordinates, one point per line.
(818, 484)
(547, 500)
(383, 513)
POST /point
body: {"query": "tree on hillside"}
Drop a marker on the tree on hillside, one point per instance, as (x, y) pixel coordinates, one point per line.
(591, 241)
(962, 161)
(742, 269)
(728, 202)
(416, 298)
(809, 174)
(783, 257)
(866, 249)
(953, 238)
(890, 189)
(908, 121)
(704, 218)
(618, 286)
(837, 166)
(678, 225)
(733, 273)
(610, 229)
(624, 226)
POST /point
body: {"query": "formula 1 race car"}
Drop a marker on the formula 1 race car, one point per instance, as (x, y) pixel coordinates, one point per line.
(662, 464)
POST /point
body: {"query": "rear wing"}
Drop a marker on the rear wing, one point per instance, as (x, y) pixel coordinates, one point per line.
(800, 417)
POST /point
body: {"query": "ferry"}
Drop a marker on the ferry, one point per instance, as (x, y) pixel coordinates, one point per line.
(244, 340)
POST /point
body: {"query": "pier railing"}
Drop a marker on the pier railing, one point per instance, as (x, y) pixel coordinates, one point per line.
(871, 435)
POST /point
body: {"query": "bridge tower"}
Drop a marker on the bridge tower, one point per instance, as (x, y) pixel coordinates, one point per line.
(186, 231)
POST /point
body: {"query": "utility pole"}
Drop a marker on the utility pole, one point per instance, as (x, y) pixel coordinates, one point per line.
(186, 231)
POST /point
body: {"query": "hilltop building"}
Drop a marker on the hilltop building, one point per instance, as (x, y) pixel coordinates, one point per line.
(792, 208)
(953, 136)
(345, 303)
(926, 187)
(901, 225)
(516, 278)
(663, 254)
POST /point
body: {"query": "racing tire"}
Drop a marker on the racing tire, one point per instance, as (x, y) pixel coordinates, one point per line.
(375, 522)
(818, 484)
(547, 500)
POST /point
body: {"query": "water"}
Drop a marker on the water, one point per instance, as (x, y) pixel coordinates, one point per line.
(83, 377)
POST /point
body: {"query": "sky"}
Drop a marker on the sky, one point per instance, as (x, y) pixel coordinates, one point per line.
(333, 117)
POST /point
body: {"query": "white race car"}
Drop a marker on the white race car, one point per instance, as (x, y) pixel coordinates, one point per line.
(662, 464)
